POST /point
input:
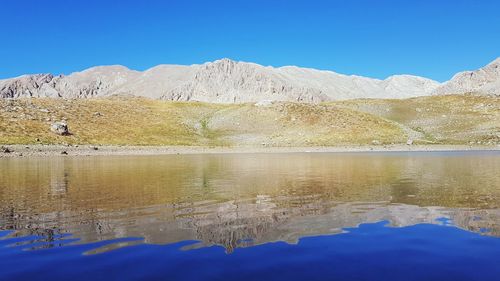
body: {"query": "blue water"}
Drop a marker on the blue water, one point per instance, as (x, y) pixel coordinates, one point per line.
(368, 252)
(316, 216)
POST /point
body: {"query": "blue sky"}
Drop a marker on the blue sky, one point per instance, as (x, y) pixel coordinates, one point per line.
(375, 38)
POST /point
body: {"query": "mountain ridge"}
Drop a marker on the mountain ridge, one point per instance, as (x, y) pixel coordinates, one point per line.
(229, 81)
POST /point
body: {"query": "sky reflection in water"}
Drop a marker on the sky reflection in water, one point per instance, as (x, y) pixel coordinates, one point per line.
(432, 216)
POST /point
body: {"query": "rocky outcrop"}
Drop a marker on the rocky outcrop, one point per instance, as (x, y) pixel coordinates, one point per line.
(228, 81)
(97, 81)
(5, 149)
(38, 85)
(485, 81)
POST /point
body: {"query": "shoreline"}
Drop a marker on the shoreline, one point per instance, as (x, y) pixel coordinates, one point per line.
(20, 151)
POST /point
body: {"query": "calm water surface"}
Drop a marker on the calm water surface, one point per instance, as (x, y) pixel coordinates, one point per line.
(311, 216)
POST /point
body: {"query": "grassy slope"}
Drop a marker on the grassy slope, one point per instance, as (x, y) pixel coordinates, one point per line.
(137, 121)
(451, 119)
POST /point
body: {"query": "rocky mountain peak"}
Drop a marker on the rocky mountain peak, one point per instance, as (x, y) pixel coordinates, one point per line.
(485, 80)
(229, 81)
(222, 66)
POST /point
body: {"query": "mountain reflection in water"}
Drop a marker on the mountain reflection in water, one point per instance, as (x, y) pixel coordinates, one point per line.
(241, 200)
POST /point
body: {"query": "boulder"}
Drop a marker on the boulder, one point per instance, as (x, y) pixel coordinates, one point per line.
(5, 149)
(60, 128)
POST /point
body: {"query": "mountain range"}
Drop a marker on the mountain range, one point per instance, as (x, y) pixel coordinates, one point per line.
(228, 81)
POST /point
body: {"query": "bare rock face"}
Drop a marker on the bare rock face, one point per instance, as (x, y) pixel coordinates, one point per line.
(60, 128)
(27, 86)
(227, 81)
(484, 81)
(96, 81)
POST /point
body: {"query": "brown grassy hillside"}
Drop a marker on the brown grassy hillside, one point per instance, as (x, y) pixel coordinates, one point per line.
(136, 121)
(451, 119)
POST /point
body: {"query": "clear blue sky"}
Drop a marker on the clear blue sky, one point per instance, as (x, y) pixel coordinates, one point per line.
(376, 38)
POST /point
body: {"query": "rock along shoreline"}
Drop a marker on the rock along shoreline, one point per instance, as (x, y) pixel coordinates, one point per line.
(18, 151)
